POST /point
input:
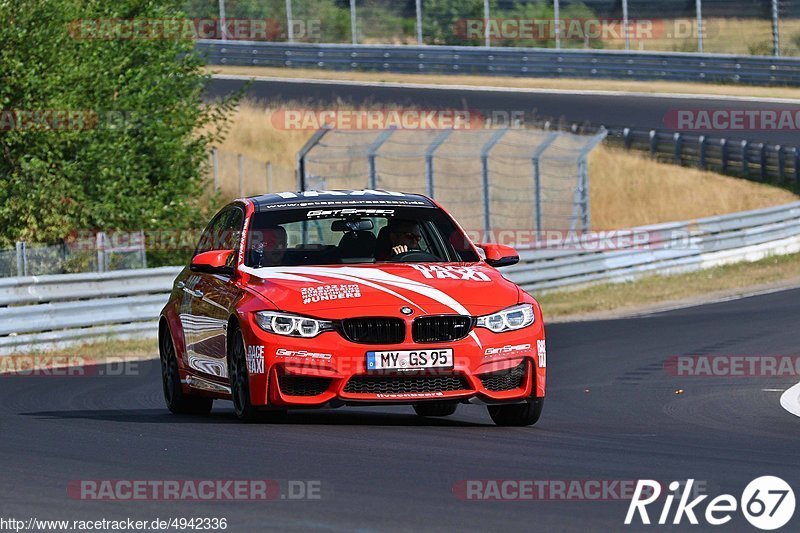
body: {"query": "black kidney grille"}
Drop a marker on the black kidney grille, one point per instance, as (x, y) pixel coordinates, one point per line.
(374, 330)
(506, 380)
(405, 385)
(444, 328)
(303, 385)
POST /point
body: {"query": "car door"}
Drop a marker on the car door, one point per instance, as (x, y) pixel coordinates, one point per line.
(214, 296)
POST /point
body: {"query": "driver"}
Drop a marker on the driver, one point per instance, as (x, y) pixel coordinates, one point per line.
(404, 235)
(269, 250)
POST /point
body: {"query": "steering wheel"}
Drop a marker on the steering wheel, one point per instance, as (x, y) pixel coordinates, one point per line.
(414, 256)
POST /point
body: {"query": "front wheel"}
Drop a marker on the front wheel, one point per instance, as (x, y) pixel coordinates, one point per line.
(177, 401)
(522, 414)
(240, 379)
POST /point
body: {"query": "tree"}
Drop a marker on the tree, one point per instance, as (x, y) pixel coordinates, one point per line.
(121, 134)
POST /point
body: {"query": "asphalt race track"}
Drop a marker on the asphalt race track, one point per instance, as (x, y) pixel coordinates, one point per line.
(612, 413)
(639, 112)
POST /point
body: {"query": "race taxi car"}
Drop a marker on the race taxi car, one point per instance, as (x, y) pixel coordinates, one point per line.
(333, 298)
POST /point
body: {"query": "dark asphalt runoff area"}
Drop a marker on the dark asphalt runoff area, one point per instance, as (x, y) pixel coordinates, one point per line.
(613, 412)
(624, 110)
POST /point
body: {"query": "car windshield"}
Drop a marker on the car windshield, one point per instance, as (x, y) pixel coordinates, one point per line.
(355, 235)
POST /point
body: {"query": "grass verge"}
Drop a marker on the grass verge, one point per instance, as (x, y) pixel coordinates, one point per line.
(618, 299)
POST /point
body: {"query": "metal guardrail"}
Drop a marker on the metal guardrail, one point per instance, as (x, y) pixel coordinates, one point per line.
(526, 62)
(38, 312)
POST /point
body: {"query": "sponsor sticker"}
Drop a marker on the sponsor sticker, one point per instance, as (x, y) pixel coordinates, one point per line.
(323, 293)
(452, 272)
(302, 354)
(492, 352)
(255, 359)
(541, 351)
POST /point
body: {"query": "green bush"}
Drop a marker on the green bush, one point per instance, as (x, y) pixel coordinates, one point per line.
(137, 158)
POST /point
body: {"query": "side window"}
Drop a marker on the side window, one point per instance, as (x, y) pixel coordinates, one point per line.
(223, 232)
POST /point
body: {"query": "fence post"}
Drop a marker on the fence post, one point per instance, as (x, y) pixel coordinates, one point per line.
(353, 22)
(702, 148)
(430, 180)
(241, 176)
(653, 143)
(419, 22)
(797, 166)
(289, 22)
(372, 153)
(537, 179)
(100, 243)
(678, 139)
(700, 25)
(269, 176)
(143, 250)
(557, 22)
(625, 33)
(723, 155)
(301, 155)
(223, 31)
(626, 138)
(215, 165)
(21, 266)
(486, 14)
(745, 166)
(487, 214)
(776, 29)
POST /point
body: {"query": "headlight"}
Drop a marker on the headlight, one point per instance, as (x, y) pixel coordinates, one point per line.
(291, 325)
(517, 317)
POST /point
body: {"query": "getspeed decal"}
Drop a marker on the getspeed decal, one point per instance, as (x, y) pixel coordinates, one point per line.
(492, 352)
(330, 292)
(302, 354)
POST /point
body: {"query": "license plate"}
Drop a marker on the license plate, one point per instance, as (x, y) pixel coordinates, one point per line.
(410, 359)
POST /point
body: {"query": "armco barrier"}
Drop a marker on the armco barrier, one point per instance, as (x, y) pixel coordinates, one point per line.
(530, 62)
(37, 312)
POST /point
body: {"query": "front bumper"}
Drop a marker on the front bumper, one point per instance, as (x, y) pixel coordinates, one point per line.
(329, 370)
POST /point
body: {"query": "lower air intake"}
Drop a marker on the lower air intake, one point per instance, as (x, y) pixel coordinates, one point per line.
(405, 385)
(506, 380)
(303, 385)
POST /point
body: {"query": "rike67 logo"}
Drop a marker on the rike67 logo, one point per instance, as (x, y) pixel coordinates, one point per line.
(767, 503)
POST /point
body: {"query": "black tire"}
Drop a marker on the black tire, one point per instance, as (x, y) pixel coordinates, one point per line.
(435, 408)
(240, 378)
(177, 401)
(520, 414)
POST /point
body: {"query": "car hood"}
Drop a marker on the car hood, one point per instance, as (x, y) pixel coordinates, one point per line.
(336, 292)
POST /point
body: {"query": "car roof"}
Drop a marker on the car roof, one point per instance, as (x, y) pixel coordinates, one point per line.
(338, 198)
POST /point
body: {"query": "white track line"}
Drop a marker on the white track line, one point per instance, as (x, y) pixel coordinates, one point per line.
(521, 90)
(790, 400)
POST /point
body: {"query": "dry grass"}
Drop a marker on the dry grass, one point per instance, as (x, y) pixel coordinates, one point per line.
(724, 280)
(627, 188)
(524, 83)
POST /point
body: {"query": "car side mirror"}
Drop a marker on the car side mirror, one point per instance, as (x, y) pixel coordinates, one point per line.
(500, 255)
(213, 262)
